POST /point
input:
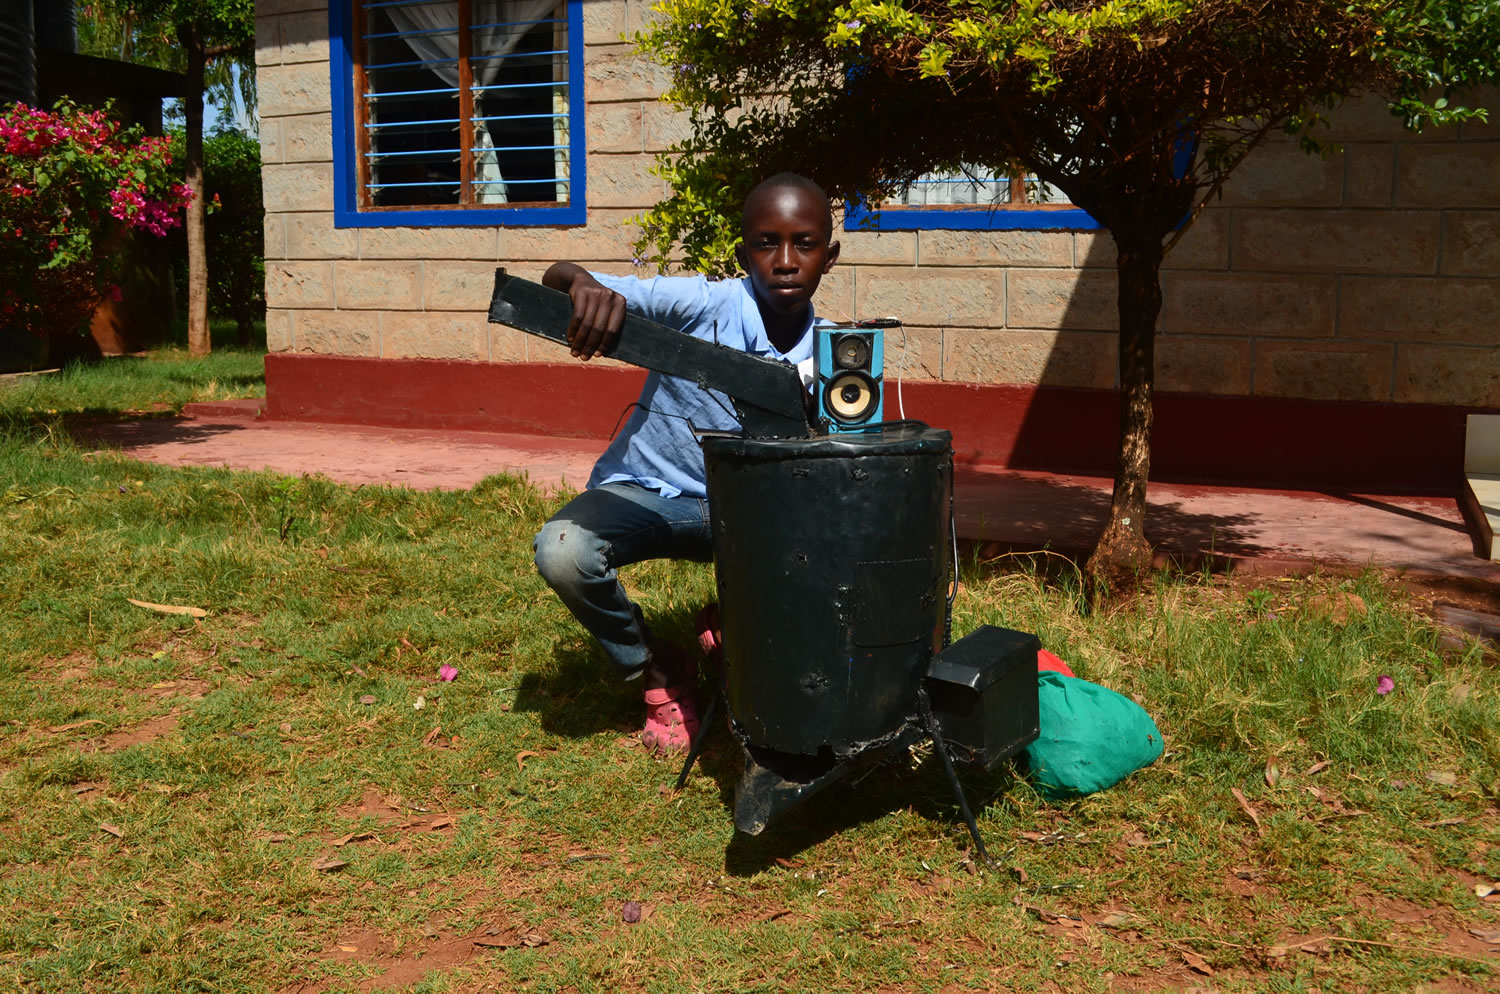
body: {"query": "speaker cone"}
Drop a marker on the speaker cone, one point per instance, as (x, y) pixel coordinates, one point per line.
(851, 397)
(852, 352)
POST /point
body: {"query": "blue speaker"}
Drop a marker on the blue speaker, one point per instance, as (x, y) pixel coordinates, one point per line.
(850, 360)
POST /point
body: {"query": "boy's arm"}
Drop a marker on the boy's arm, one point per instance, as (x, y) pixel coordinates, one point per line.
(598, 312)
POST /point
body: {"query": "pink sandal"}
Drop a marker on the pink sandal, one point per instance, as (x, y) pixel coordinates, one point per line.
(710, 639)
(672, 715)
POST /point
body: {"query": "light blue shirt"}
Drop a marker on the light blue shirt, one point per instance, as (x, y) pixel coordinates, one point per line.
(657, 448)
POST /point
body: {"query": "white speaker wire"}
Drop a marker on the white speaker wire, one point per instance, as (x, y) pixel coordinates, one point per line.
(901, 404)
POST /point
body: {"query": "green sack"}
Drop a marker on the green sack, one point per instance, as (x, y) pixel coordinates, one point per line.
(1091, 738)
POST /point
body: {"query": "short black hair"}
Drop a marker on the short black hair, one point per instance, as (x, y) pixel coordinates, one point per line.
(793, 181)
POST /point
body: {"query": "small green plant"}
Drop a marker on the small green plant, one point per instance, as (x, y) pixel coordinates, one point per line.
(1259, 600)
(286, 499)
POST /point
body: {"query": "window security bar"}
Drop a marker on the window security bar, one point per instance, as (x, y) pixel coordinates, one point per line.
(508, 24)
(386, 186)
(429, 152)
(370, 66)
(556, 84)
(513, 182)
(443, 92)
(522, 117)
(373, 126)
(430, 32)
(423, 33)
(369, 4)
(517, 55)
(520, 148)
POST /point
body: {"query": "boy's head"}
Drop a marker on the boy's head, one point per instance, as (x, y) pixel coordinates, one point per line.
(787, 244)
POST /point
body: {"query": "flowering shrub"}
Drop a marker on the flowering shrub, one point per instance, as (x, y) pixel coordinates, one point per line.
(73, 184)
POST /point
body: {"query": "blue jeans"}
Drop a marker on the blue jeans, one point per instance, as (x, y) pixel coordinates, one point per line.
(579, 551)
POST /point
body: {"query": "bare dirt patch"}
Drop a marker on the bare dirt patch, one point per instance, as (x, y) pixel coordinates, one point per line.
(190, 688)
(405, 961)
(374, 804)
(147, 731)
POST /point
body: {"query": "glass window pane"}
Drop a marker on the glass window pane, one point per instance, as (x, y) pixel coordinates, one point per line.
(520, 126)
(411, 103)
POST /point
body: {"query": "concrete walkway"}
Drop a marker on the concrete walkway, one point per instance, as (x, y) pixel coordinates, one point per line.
(1260, 530)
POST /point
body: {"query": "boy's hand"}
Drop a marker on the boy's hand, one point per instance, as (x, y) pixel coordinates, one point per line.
(598, 314)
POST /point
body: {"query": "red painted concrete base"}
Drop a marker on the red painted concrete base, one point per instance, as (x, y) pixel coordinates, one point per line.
(1255, 441)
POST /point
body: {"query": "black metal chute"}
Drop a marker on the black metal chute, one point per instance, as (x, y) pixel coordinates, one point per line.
(767, 395)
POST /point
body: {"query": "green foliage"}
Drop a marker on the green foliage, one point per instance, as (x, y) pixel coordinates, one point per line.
(73, 185)
(1095, 98)
(145, 32)
(234, 229)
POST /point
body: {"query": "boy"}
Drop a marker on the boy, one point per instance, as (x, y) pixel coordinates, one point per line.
(646, 498)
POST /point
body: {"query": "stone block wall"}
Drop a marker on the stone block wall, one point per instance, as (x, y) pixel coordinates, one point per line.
(1370, 275)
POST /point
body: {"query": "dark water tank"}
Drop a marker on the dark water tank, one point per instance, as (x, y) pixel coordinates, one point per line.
(56, 25)
(17, 53)
(832, 561)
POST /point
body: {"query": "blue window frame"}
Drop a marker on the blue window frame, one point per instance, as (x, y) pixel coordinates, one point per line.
(457, 112)
(970, 202)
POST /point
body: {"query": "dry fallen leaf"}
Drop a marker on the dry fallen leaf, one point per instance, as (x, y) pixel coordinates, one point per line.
(114, 830)
(367, 699)
(1198, 963)
(1490, 935)
(1317, 767)
(1245, 805)
(1485, 890)
(522, 756)
(351, 837)
(439, 823)
(631, 912)
(509, 940)
(348, 949)
(329, 864)
(1273, 772)
(196, 612)
(1116, 919)
(285, 726)
(1442, 822)
(1442, 777)
(431, 737)
(73, 725)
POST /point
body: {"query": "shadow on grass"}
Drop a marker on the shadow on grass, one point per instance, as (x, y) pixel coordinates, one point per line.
(867, 795)
(581, 697)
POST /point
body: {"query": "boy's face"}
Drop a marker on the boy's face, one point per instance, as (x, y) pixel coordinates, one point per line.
(786, 248)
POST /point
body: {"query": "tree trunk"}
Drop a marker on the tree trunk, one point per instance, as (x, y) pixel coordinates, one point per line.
(197, 250)
(1122, 553)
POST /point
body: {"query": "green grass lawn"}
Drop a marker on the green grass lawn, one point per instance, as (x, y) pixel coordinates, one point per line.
(281, 796)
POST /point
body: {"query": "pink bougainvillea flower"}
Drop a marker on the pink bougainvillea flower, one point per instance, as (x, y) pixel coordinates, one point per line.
(116, 294)
(447, 673)
(1384, 685)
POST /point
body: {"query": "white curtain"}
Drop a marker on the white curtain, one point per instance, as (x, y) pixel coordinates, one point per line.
(491, 36)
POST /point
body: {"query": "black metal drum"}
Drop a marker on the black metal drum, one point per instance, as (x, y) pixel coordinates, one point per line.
(832, 561)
